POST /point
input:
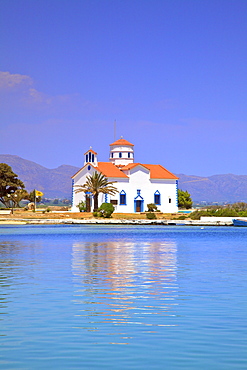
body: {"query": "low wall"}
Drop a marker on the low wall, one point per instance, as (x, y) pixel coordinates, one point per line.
(223, 219)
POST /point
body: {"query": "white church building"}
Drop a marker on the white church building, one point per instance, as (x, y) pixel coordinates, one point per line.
(137, 184)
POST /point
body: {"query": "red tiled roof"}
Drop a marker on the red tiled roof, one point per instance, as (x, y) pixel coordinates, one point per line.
(131, 165)
(159, 172)
(122, 142)
(110, 170)
(90, 150)
(156, 170)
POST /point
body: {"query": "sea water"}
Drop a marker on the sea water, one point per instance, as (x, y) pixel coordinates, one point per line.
(123, 297)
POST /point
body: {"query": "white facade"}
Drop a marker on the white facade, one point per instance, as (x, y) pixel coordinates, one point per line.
(137, 184)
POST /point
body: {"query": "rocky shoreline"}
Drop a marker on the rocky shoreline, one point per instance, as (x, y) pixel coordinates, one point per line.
(94, 221)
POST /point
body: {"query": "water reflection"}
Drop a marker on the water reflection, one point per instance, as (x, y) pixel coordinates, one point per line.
(13, 271)
(125, 283)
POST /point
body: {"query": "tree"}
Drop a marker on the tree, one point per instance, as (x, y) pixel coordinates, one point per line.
(31, 197)
(14, 198)
(184, 199)
(95, 184)
(9, 183)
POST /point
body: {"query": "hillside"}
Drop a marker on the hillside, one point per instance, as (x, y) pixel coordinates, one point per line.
(216, 188)
(56, 183)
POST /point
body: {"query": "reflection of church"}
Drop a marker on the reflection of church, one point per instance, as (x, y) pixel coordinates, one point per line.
(138, 184)
(122, 281)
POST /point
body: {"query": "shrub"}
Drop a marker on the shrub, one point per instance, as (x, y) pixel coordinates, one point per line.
(220, 212)
(95, 214)
(151, 216)
(243, 213)
(197, 214)
(106, 210)
(82, 206)
(46, 210)
(228, 212)
(152, 207)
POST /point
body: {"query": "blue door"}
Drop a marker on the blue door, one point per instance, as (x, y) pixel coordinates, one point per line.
(139, 205)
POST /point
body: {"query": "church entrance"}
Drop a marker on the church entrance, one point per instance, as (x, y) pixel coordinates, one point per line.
(138, 202)
(138, 205)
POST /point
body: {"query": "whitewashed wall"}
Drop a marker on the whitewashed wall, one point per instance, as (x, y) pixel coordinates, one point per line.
(138, 180)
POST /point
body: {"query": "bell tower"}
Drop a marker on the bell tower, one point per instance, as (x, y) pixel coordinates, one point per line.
(121, 152)
(91, 157)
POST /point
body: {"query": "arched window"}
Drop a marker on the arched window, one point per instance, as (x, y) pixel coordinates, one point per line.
(92, 157)
(128, 155)
(120, 155)
(157, 197)
(87, 158)
(122, 200)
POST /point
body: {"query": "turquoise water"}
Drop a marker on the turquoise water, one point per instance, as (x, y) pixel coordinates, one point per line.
(101, 297)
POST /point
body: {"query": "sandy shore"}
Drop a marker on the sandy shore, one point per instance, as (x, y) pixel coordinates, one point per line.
(20, 217)
(113, 222)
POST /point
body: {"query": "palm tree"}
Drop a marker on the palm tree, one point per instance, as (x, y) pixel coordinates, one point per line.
(95, 184)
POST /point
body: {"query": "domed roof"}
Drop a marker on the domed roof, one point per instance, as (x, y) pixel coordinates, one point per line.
(122, 142)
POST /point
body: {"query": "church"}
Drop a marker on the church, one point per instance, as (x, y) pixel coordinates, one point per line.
(137, 184)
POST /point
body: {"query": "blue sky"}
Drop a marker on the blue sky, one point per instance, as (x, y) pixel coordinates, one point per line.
(173, 74)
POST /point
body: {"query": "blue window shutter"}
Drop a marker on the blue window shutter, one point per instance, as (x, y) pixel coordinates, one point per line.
(122, 200)
(157, 197)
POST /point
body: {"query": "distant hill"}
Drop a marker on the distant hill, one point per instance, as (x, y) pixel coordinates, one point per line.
(56, 183)
(216, 188)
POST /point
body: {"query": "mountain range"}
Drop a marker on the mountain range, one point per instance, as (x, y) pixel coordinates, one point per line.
(56, 183)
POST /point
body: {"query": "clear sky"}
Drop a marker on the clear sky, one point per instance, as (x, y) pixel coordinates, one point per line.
(172, 73)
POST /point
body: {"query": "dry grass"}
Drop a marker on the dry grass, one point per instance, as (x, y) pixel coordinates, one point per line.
(21, 214)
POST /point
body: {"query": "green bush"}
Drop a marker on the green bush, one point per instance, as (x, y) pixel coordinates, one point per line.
(182, 218)
(243, 213)
(150, 216)
(152, 207)
(220, 212)
(82, 206)
(95, 214)
(106, 210)
(227, 212)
